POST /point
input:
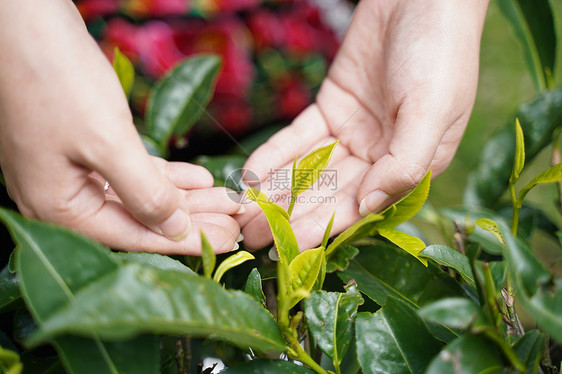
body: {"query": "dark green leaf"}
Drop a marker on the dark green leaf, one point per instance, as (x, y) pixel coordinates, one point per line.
(135, 300)
(407, 242)
(468, 354)
(124, 70)
(208, 256)
(530, 349)
(539, 119)
(409, 205)
(454, 312)
(53, 264)
(450, 258)
(9, 289)
(311, 167)
(394, 340)
(383, 270)
(152, 260)
(231, 262)
(227, 170)
(340, 258)
(267, 366)
(179, 99)
(533, 24)
(330, 317)
(254, 286)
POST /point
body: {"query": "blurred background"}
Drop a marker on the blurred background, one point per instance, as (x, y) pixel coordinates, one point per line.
(275, 54)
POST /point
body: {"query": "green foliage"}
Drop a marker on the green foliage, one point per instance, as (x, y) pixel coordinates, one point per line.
(9, 289)
(450, 258)
(236, 259)
(10, 362)
(178, 100)
(208, 256)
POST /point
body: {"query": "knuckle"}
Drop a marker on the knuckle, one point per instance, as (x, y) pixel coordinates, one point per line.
(412, 174)
(156, 203)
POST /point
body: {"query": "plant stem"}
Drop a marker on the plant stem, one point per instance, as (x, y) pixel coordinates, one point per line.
(507, 351)
(300, 354)
(516, 209)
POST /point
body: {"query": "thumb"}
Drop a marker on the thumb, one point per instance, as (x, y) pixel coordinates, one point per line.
(145, 192)
(410, 155)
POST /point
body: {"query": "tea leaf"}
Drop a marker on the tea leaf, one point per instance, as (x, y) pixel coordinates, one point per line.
(519, 161)
(533, 24)
(278, 219)
(124, 70)
(472, 353)
(303, 272)
(394, 340)
(9, 289)
(358, 230)
(326, 236)
(153, 260)
(208, 256)
(539, 119)
(310, 168)
(10, 362)
(407, 242)
(450, 258)
(330, 317)
(340, 258)
(409, 205)
(491, 226)
(236, 259)
(178, 100)
(455, 312)
(134, 300)
(321, 275)
(551, 175)
(530, 349)
(53, 265)
(253, 286)
(266, 366)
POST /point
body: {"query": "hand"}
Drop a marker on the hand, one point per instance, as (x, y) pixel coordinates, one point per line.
(65, 128)
(398, 97)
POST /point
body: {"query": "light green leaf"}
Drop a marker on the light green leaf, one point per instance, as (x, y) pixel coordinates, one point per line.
(530, 349)
(330, 317)
(53, 264)
(394, 340)
(134, 300)
(326, 236)
(409, 243)
(253, 286)
(303, 272)
(467, 355)
(153, 260)
(551, 175)
(208, 257)
(340, 258)
(409, 205)
(321, 274)
(454, 312)
(179, 99)
(283, 235)
(491, 226)
(124, 70)
(533, 24)
(311, 167)
(236, 259)
(519, 161)
(267, 366)
(358, 230)
(10, 362)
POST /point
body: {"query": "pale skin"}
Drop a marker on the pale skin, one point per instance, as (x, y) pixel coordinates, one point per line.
(66, 128)
(398, 97)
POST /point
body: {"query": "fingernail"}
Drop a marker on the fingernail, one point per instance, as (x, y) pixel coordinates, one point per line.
(177, 226)
(240, 238)
(241, 210)
(372, 202)
(236, 246)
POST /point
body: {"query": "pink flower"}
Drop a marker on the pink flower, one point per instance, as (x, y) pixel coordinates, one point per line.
(155, 8)
(293, 98)
(157, 51)
(233, 115)
(266, 28)
(122, 34)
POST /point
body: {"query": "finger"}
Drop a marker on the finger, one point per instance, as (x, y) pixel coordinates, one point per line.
(184, 175)
(411, 152)
(294, 140)
(145, 191)
(214, 200)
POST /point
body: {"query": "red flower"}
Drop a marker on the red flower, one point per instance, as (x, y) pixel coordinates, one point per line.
(266, 28)
(122, 34)
(233, 115)
(157, 50)
(156, 8)
(293, 98)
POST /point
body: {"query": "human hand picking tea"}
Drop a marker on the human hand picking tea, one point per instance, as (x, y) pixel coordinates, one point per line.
(66, 128)
(398, 97)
